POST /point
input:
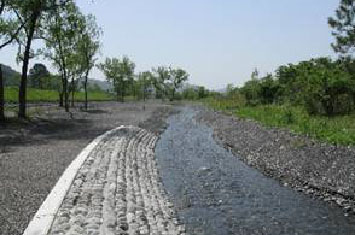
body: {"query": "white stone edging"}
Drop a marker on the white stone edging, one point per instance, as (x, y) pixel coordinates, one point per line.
(43, 219)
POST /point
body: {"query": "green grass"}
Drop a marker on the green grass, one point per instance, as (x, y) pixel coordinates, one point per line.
(36, 95)
(337, 130)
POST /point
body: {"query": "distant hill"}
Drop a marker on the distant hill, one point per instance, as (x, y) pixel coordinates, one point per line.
(10, 76)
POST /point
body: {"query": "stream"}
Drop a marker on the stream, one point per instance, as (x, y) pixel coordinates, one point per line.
(216, 193)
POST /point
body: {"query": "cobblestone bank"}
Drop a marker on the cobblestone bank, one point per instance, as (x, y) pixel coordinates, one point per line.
(118, 191)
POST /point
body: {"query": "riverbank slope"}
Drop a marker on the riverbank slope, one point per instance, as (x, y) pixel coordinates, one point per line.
(321, 170)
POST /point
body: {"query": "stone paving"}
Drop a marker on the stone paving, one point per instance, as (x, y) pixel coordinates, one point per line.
(118, 191)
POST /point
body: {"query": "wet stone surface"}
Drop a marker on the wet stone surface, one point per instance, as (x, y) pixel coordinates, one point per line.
(216, 193)
(118, 191)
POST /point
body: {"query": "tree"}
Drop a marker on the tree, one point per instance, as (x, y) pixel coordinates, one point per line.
(87, 48)
(252, 89)
(202, 92)
(145, 79)
(127, 73)
(112, 70)
(177, 77)
(321, 85)
(343, 26)
(31, 14)
(119, 72)
(62, 36)
(2, 96)
(229, 89)
(159, 80)
(37, 76)
(9, 30)
(269, 90)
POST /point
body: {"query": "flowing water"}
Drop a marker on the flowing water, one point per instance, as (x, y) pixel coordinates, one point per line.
(216, 193)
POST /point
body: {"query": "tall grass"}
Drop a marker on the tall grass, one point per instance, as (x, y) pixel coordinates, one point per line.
(337, 130)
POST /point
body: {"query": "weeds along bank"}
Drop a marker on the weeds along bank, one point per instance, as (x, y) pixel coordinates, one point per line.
(338, 130)
(315, 98)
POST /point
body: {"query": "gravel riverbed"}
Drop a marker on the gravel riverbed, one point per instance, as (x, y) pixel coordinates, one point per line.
(320, 170)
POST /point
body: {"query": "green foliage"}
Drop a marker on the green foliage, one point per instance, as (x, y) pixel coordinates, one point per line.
(167, 80)
(144, 85)
(321, 85)
(343, 26)
(39, 77)
(177, 77)
(119, 73)
(315, 97)
(190, 94)
(263, 91)
(161, 76)
(202, 92)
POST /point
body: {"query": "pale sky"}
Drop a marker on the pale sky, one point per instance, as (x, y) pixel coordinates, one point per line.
(216, 41)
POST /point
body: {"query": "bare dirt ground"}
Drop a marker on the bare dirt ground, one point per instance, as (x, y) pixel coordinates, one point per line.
(34, 154)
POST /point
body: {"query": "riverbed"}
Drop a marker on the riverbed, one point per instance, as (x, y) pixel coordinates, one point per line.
(216, 193)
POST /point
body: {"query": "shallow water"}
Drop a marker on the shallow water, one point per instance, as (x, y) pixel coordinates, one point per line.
(216, 193)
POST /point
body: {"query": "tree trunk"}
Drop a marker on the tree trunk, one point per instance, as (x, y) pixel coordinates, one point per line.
(122, 92)
(2, 97)
(26, 60)
(72, 92)
(66, 101)
(86, 90)
(65, 92)
(173, 97)
(144, 90)
(61, 100)
(133, 90)
(40, 83)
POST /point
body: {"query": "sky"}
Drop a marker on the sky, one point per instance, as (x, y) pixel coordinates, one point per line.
(216, 41)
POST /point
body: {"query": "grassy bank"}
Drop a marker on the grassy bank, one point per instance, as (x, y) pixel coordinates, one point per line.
(337, 130)
(37, 95)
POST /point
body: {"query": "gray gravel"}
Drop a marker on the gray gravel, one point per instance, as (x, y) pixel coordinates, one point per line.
(34, 154)
(321, 170)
